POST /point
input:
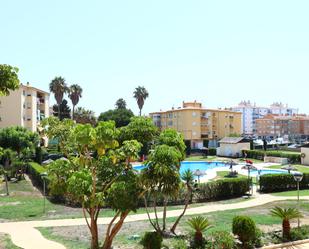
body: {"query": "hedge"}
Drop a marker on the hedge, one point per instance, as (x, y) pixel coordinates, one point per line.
(281, 182)
(259, 154)
(222, 189)
(34, 170)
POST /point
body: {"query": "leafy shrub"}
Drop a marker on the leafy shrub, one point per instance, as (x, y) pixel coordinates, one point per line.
(212, 151)
(300, 233)
(281, 182)
(222, 189)
(221, 239)
(152, 240)
(259, 154)
(244, 227)
(179, 244)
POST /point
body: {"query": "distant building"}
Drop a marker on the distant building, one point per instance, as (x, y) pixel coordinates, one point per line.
(274, 126)
(197, 123)
(25, 107)
(252, 112)
(232, 146)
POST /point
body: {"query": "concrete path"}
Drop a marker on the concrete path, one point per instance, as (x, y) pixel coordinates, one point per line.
(24, 234)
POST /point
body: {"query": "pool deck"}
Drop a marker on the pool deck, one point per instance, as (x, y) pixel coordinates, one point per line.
(212, 173)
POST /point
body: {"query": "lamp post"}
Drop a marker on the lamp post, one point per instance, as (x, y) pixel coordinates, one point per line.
(298, 176)
(43, 175)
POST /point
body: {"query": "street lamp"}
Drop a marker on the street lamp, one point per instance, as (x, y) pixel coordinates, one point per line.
(44, 175)
(298, 176)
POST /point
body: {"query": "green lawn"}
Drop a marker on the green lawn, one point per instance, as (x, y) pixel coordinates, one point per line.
(285, 151)
(6, 242)
(221, 220)
(301, 168)
(26, 203)
(304, 192)
(201, 158)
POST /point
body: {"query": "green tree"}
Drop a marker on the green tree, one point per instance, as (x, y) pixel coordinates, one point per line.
(61, 131)
(121, 104)
(75, 93)
(199, 224)
(188, 179)
(18, 139)
(84, 116)
(7, 157)
(58, 87)
(286, 214)
(121, 116)
(173, 138)
(8, 79)
(245, 229)
(140, 94)
(161, 177)
(65, 110)
(98, 173)
(143, 130)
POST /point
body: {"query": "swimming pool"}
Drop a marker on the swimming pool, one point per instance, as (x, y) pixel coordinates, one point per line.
(185, 165)
(267, 171)
(204, 166)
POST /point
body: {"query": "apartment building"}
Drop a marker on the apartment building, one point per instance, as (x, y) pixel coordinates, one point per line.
(25, 107)
(252, 112)
(197, 123)
(279, 126)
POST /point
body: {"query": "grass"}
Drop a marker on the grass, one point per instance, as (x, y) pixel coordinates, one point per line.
(221, 220)
(300, 168)
(304, 192)
(6, 242)
(26, 203)
(76, 243)
(201, 158)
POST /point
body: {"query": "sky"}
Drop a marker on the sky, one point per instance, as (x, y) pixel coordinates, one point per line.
(216, 52)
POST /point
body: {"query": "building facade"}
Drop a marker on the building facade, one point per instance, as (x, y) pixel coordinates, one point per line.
(252, 112)
(197, 123)
(25, 107)
(274, 126)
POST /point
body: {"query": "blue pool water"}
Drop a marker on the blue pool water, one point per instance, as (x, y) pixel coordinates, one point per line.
(268, 171)
(194, 166)
(211, 165)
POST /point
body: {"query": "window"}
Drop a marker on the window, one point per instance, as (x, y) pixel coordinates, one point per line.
(193, 114)
(24, 92)
(194, 123)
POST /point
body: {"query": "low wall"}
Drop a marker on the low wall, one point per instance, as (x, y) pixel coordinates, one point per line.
(279, 160)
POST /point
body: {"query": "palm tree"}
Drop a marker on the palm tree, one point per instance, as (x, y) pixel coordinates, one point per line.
(188, 178)
(140, 94)
(286, 214)
(7, 157)
(75, 93)
(199, 224)
(58, 87)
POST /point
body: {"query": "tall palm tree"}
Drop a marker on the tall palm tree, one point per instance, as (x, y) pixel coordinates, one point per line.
(286, 214)
(188, 178)
(140, 94)
(75, 93)
(199, 224)
(58, 87)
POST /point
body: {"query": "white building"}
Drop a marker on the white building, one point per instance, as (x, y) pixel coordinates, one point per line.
(251, 113)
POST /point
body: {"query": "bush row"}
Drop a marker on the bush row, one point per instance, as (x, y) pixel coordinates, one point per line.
(259, 154)
(281, 182)
(34, 170)
(222, 189)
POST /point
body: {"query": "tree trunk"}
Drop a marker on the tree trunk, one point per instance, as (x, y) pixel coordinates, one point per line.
(73, 112)
(110, 237)
(59, 111)
(183, 213)
(140, 112)
(164, 214)
(6, 184)
(286, 228)
(94, 232)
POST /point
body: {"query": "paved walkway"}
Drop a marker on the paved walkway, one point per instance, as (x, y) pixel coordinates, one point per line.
(24, 234)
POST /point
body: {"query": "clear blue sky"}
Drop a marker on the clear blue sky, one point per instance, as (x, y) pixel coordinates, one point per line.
(217, 52)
